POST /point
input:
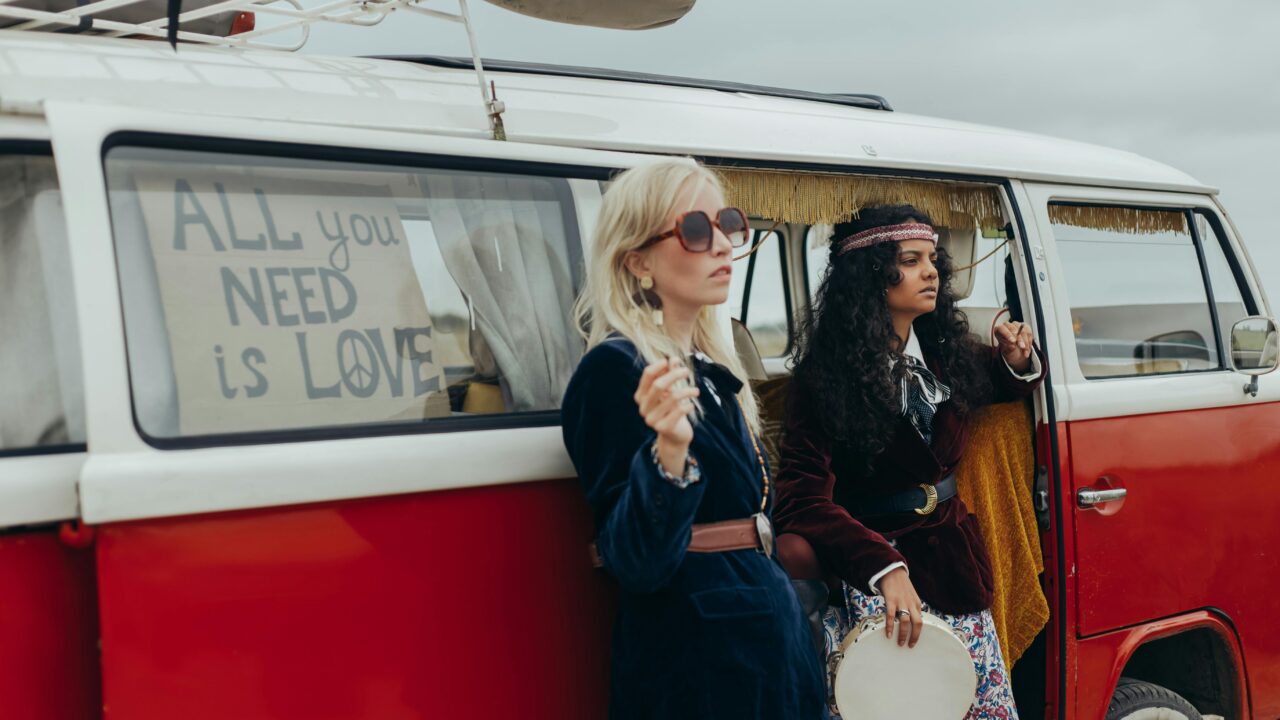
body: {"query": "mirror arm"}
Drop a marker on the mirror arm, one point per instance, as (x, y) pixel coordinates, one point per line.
(1252, 388)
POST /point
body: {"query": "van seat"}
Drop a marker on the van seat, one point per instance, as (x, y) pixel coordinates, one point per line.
(483, 398)
(748, 355)
(980, 319)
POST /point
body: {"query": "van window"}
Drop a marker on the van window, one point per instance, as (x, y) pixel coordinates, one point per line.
(271, 293)
(993, 296)
(41, 392)
(1225, 277)
(817, 256)
(758, 295)
(1139, 303)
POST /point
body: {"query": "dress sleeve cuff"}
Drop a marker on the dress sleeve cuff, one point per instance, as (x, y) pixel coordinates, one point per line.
(1029, 376)
(874, 582)
(692, 473)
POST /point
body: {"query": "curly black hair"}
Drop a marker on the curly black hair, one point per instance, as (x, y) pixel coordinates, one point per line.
(846, 366)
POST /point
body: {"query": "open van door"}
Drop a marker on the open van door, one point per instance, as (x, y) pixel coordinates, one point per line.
(1168, 455)
(326, 475)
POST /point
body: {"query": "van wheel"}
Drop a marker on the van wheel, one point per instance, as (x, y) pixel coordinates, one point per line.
(1138, 700)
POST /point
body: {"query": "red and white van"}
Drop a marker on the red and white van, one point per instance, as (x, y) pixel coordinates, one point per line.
(283, 339)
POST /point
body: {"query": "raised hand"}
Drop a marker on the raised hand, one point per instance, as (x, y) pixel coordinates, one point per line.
(1015, 341)
(665, 399)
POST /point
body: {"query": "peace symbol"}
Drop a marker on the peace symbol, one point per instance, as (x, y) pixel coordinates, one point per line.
(356, 363)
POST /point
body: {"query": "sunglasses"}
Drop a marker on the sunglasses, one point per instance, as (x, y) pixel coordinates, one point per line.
(696, 231)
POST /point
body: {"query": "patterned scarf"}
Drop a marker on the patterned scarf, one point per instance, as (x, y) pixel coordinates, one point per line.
(921, 393)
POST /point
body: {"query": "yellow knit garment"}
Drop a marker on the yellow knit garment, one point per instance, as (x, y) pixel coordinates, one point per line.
(994, 479)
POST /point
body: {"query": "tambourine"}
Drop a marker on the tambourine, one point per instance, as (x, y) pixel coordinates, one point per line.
(876, 679)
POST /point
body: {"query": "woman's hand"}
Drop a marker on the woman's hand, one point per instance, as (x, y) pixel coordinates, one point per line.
(900, 596)
(1015, 345)
(665, 401)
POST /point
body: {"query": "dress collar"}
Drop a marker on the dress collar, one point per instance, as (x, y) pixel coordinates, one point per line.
(719, 376)
(913, 347)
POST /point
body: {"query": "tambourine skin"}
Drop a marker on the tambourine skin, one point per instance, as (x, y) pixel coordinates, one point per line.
(878, 680)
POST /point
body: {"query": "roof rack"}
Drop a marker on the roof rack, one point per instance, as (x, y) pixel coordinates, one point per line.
(235, 23)
(861, 100)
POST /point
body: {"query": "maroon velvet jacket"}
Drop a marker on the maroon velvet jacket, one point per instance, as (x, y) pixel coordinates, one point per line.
(817, 479)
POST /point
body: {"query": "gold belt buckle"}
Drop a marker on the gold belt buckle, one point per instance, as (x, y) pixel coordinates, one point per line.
(930, 499)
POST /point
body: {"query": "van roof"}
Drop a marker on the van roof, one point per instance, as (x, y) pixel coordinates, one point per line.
(570, 107)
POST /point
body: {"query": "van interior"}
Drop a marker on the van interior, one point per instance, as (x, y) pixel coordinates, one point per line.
(792, 215)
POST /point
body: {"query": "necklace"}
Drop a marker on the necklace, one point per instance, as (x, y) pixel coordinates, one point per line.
(764, 474)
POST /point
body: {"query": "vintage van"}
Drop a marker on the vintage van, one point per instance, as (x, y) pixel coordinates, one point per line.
(284, 338)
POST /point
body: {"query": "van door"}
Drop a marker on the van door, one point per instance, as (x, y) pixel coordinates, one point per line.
(327, 475)
(1145, 287)
(48, 626)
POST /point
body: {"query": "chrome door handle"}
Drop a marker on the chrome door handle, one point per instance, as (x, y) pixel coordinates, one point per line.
(1088, 497)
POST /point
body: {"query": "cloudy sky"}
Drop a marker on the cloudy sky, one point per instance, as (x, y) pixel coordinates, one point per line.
(1190, 83)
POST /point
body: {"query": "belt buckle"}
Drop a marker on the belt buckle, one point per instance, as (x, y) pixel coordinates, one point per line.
(930, 499)
(764, 529)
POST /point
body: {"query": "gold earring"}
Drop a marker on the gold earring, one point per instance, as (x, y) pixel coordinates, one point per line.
(647, 297)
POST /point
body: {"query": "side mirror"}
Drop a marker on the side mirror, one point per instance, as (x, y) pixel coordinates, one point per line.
(1255, 349)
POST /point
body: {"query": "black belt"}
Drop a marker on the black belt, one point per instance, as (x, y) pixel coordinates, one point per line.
(920, 500)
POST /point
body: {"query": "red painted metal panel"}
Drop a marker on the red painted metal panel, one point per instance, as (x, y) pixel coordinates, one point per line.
(48, 629)
(1199, 528)
(1103, 657)
(456, 604)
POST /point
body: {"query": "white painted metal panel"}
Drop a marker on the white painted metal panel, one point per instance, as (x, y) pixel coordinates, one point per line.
(36, 68)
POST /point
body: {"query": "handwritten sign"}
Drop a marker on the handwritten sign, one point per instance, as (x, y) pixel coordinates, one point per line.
(289, 303)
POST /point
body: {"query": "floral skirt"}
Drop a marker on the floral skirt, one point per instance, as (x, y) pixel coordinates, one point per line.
(994, 699)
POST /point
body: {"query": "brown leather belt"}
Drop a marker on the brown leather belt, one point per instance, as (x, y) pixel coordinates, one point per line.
(753, 533)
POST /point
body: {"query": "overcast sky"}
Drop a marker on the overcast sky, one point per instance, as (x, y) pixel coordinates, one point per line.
(1192, 84)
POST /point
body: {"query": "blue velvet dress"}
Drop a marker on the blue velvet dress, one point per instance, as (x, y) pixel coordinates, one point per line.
(698, 635)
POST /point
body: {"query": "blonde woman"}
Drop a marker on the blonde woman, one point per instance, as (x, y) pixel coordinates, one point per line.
(663, 434)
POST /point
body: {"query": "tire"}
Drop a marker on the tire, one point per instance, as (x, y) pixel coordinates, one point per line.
(1138, 700)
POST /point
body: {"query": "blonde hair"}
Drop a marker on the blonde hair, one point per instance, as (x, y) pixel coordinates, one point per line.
(635, 208)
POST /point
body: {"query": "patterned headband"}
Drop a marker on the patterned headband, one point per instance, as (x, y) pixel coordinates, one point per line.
(887, 233)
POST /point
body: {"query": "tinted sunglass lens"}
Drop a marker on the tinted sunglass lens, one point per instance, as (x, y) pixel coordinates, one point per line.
(695, 228)
(733, 223)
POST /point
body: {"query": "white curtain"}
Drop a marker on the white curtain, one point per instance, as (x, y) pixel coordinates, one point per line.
(41, 383)
(505, 242)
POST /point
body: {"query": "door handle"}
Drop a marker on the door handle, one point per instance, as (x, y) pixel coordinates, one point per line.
(1088, 497)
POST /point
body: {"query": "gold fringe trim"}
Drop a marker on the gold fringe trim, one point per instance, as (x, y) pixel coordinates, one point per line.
(822, 198)
(1119, 219)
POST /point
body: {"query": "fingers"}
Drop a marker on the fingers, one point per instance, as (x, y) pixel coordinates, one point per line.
(660, 400)
(677, 405)
(906, 619)
(1015, 335)
(905, 623)
(917, 625)
(652, 372)
(655, 382)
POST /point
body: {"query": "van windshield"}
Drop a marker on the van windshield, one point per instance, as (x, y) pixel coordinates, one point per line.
(270, 293)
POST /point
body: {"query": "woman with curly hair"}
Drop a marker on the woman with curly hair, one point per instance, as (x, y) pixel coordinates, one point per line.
(885, 382)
